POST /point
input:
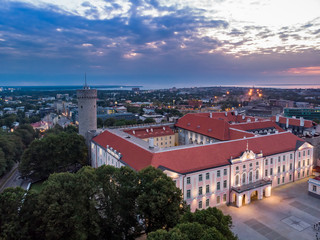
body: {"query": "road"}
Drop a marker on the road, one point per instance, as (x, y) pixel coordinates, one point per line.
(12, 179)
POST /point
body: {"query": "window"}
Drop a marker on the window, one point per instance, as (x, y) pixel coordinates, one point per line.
(257, 163)
(257, 174)
(218, 185)
(299, 164)
(314, 188)
(282, 179)
(304, 153)
(218, 199)
(290, 177)
(290, 155)
(250, 177)
(266, 173)
(243, 178)
(299, 154)
(298, 175)
(207, 176)
(237, 180)
(271, 171)
(284, 158)
(308, 172)
(200, 190)
(304, 162)
(207, 202)
(279, 159)
(224, 197)
(218, 173)
(302, 173)
(290, 166)
(308, 152)
(237, 167)
(271, 161)
(278, 180)
(244, 166)
(250, 165)
(225, 184)
(200, 177)
(188, 193)
(225, 172)
(188, 180)
(278, 169)
(283, 168)
(207, 188)
(308, 162)
(266, 162)
(200, 204)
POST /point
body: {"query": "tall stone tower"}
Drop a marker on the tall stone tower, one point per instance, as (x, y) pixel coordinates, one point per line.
(87, 110)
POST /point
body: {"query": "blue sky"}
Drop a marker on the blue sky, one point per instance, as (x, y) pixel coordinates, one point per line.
(159, 43)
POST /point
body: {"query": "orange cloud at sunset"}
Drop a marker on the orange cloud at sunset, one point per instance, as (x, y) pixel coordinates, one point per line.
(315, 70)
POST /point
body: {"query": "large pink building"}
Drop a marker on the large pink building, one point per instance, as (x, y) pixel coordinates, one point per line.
(221, 159)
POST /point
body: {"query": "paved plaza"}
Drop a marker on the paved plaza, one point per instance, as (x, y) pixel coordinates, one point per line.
(289, 213)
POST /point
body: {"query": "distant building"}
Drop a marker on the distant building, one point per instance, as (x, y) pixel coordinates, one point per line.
(281, 103)
(306, 113)
(314, 187)
(162, 136)
(195, 103)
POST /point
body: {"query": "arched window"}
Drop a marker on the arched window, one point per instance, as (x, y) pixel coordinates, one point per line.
(237, 180)
(257, 174)
(250, 177)
(244, 178)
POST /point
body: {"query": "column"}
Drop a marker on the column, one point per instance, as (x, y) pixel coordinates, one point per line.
(248, 198)
(239, 200)
(260, 194)
(268, 191)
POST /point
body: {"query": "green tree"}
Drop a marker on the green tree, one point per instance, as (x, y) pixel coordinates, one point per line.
(54, 153)
(160, 202)
(11, 201)
(149, 120)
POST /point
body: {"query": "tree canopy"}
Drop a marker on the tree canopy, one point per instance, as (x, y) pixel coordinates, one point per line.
(53, 153)
(207, 224)
(103, 203)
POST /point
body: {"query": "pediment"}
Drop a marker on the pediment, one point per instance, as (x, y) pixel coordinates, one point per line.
(248, 155)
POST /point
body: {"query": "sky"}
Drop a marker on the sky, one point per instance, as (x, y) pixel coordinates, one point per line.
(160, 43)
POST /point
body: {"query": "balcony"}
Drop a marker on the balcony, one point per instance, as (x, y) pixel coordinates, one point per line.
(252, 185)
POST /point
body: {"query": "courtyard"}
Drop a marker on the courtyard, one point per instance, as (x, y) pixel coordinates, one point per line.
(288, 214)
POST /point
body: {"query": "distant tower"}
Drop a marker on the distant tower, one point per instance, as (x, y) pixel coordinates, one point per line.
(87, 109)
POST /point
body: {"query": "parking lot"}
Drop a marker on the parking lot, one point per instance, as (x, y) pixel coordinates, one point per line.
(289, 213)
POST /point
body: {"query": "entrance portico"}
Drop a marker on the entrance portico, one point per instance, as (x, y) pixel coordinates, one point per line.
(243, 194)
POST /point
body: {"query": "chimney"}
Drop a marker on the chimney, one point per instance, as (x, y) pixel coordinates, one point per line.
(256, 119)
(287, 123)
(151, 130)
(134, 132)
(151, 143)
(277, 118)
(276, 131)
(236, 113)
(243, 117)
(211, 115)
(147, 130)
(226, 114)
(294, 117)
(249, 120)
(301, 122)
(164, 128)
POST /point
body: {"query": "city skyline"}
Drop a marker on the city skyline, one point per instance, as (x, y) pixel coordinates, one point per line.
(159, 43)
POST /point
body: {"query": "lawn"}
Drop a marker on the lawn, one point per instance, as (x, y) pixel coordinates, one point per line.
(37, 186)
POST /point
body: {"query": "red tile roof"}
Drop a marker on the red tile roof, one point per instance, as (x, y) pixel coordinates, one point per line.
(212, 127)
(227, 116)
(132, 154)
(257, 125)
(150, 132)
(294, 121)
(195, 158)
